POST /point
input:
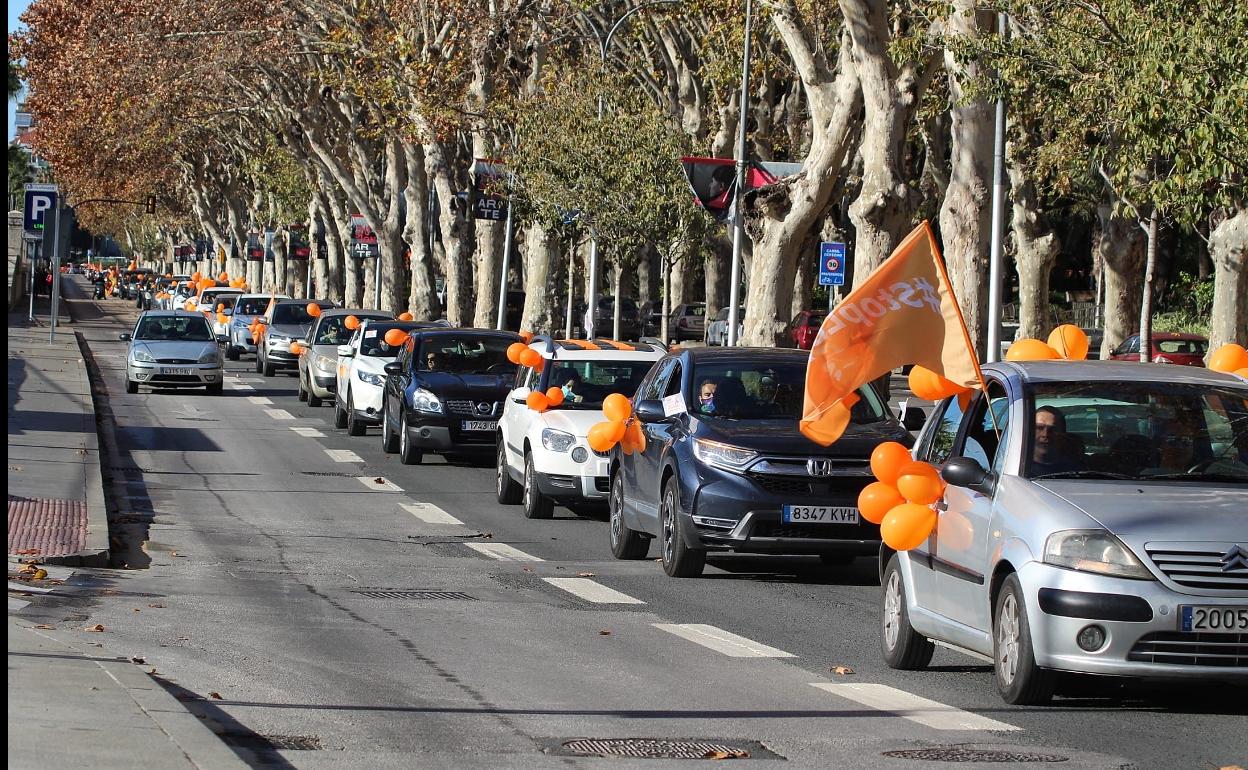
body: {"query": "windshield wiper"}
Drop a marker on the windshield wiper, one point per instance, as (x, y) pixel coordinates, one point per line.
(1085, 475)
(1199, 476)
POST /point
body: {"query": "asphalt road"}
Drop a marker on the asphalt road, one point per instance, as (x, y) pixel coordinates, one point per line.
(275, 595)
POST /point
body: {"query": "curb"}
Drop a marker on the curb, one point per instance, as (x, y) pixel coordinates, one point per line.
(201, 746)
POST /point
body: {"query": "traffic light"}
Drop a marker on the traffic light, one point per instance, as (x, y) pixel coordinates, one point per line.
(150, 206)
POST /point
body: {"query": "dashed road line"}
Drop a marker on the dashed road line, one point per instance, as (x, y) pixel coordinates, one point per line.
(279, 414)
(926, 712)
(592, 591)
(242, 386)
(307, 432)
(379, 483)
(722, 641)
(430, 513)
(259, 399)
(343, 456)
(501, 552)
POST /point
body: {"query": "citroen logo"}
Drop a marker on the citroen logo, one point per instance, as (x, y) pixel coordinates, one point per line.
(484, 407)
(819, 466)
(1235, 558)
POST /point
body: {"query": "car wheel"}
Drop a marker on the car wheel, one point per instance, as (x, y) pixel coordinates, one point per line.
(536, 505)
(313, 399)
(408, 454)
(301, 394)
(231, 353)
(269, 369)
(389, 441)
(259, 361)
(679, 560)
(1019, 680)
(340, 415)
(216, 388)
(509, 492)
(132, 386)
(625, 543)
(903, 647)
(355, 426)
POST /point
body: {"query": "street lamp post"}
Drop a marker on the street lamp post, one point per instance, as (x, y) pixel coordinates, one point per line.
(738, 218)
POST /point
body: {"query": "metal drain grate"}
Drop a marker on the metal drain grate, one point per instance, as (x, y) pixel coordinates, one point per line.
(963, 754)
(650, 748)
(399, 593)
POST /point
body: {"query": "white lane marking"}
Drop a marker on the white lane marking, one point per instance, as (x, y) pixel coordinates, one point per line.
(501, 551)
(935, 715)
(964, 651)
(430, 513)
(279, 414)
(591, 591)
(241, 386)
(379, 483)
(307, 432)
(722, 641)
(343, 456)
(259, 399)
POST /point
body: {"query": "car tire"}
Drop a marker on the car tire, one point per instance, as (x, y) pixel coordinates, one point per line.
(903, 647)
(355, 426)
(679, 560)
(216, 388)
(389, 441)
(313, 399)
(259, 361)
(269, 369)
(132, 386)
(300, 393)
(625, 543)
(231, 353)
(508, 491)
(340, 415)
(408, 454)
(536, 505)
(1019, 680)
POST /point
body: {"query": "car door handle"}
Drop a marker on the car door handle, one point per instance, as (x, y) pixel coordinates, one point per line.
(518, 401)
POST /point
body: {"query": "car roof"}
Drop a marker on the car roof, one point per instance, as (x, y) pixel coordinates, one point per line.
(171, 313)
(356, 311)
(597, 348)
(263, 296)
(442, 330)
(329, 303)
(1178, 336)
(754, 354)
(1117, 371)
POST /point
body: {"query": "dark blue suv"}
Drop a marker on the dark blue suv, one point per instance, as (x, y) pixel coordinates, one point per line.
(726, 469)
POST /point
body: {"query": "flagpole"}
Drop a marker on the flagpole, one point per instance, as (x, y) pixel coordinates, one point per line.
(993, 352)
(738, 219)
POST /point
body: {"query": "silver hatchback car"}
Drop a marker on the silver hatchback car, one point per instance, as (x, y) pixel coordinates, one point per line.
(1096, 521)
(173, 349)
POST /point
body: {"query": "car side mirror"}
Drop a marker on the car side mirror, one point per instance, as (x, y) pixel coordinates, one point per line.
(393, 368)
(914, 419)
(124, 337)
(521, 394)
(651, 411)
(345, 351)
(967, 472)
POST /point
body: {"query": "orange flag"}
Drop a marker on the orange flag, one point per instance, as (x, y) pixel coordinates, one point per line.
(904, 313)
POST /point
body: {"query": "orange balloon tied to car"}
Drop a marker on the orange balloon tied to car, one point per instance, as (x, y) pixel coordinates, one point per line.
(314, 309)
(395, 337)
(1031, 350)
(554, 396)
(537, 401)
(617, 407)
(1228, 358)
(1070, 342)
(907, 526)
(877, 499)
(515, 350)
(887, 459)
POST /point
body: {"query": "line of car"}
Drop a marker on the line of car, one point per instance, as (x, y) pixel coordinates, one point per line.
(1130, 558)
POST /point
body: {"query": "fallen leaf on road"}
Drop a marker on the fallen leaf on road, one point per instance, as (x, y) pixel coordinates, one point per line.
(179, 555)
(487, 535)
(44, 626)
(136, 609)
(729, 754)
(16, 468)
(379, 480)
(215, 695)
(27, 569)
(97, 628)
(1230, 767)
(39, 574)
(842, 670)
(526, 569)
(585, 574)
(158, 606)
(604, 632)
(153, 670)
(137, 660)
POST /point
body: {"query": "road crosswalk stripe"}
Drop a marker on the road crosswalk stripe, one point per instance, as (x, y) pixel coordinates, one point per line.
(592, 591)
(343, 456)
(279, 414)
(722, 641)
(379, 483)
(430, 513)
(935, 715)
(242, 386)
(307, 432)
(502, 552)
(259, 400)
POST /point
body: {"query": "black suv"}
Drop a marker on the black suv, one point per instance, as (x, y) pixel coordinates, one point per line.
(733, 472)
(445, 392)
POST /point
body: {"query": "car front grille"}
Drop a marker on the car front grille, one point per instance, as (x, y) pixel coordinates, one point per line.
(174, 378)
(1201, 565)
(1200, 649)
(469, 408)
(176, 361)
(863, 530)
(842, 488)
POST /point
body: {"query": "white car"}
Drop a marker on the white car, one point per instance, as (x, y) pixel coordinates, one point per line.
(544, 457)
(208, 301)
(361, 375)
(247, 308)
(717, 329)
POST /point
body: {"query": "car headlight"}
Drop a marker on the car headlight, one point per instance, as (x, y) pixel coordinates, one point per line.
(557, 440)
(370, 378)
(724, 456)
(1093, 550)
(210, 357)
(142, 355)
(325, 364)
(424, 401)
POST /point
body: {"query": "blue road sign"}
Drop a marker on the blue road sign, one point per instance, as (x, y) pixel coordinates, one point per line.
(831, 264)
(40, 200)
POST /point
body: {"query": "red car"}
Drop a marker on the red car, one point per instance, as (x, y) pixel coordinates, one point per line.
(804, 327)
(1168, 348)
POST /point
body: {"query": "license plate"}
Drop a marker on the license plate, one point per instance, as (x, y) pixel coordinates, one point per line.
(819, 514)
(1224, 619)
(174, 370)
(478, 425)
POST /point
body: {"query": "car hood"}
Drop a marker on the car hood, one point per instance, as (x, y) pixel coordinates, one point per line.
(291, 330)
(1175, 510)
(782, 437)
(373, 364)
(574, 421)
(173, 349)
(478, 387)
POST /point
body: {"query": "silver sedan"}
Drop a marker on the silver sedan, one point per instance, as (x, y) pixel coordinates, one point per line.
(173, 349)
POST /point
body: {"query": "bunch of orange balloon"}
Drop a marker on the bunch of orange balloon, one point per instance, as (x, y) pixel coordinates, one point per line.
(621, 427)
(1230, 359)
(901, 501)
(1065, 342)
(396, 337)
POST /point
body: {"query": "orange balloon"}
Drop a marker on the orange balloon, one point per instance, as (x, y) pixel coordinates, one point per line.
(224, 277)
(554, 396)
(351, 322)
(617, 407)
(296, 348)
(638, 435)
(222, 318)
(395, 337)
(1228, 358)
(887, 459)
(530, 357)
(907, 526)
(601, 436)
(188, 306)
(1241, 372)
(930, 386)
(526, 336)
(314, 309)
(195, 277)
(537, 401)
(515, 350)
(618, 429)
(920, 488)
(1070, 342)
(877, 499)
(1030, 350)
(406, 316)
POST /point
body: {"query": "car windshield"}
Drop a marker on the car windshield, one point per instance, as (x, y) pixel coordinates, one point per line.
(771, 390)
(1181, 347)
(374, 342)
(174, 328)
(1138, 430)
(291, 314)
(252, 306)
(332, 330)
(695, 310)
(586, 384)
(465, 354)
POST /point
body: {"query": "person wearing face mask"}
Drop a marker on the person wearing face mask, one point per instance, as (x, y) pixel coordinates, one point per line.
(706, 396)
(570, 381)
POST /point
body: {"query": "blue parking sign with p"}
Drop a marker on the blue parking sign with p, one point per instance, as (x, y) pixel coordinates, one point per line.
(831, 264)
(40, 202)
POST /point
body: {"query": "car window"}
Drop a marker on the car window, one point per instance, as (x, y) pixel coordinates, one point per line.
(291, 314)
(465, 354)
(174, 329)
(374, 341)
(652, 388)
(1184, 347)
(986, 431)
(939, 444)
(587, 383)
(251, 306)
(748, 389)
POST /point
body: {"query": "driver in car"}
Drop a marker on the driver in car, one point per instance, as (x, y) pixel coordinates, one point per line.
(1052, 447)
